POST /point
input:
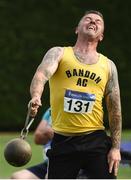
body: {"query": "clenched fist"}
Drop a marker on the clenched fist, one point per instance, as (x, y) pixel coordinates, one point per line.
(34, 104)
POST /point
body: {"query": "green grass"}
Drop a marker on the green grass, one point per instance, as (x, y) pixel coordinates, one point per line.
(6, 170)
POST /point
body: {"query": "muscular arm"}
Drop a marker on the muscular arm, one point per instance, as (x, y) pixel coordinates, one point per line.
(45, 70)
(112, 95)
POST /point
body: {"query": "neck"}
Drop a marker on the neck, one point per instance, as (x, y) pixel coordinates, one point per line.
(86, 46)
(86, 52)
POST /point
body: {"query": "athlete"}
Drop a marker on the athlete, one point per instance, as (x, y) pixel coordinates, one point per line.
(80, 79)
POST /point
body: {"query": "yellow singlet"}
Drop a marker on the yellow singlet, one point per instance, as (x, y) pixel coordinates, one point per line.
(76, 93)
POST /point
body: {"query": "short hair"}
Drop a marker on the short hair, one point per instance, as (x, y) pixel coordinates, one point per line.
(94, 12)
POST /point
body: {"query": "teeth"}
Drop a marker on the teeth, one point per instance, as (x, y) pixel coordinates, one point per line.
(91, 28)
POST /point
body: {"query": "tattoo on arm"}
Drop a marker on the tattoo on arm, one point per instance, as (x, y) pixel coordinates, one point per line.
(50, 62)
(112, 95)
(45, 70)
(37, 85)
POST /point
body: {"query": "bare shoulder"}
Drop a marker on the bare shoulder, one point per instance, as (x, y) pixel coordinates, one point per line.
(113, 79)
(50, 61)
(113, 69)
(54, 54)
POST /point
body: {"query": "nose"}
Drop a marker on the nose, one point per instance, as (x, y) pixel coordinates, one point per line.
(92, 21)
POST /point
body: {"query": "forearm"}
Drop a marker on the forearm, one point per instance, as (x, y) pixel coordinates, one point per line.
(115, 129)
(37, 85)
(115, 117)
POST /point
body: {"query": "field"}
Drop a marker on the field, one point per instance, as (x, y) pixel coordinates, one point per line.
(6, 169)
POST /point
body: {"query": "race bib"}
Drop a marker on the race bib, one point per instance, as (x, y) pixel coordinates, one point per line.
(78, 102)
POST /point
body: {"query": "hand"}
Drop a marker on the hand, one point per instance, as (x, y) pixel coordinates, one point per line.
(114, 158)
(34, 104)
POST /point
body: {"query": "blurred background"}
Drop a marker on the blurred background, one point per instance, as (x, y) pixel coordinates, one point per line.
(28, 28)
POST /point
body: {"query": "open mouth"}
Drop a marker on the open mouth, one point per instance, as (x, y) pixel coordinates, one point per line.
(92, 28)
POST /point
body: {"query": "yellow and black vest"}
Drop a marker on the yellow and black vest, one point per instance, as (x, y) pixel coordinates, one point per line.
(76, 93)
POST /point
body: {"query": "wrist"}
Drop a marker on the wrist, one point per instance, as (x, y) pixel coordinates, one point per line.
(115, 148)
(36, 95)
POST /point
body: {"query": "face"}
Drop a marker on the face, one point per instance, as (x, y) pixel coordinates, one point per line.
(91, 25)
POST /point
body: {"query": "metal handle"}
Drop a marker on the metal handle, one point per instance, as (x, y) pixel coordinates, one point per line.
(28, 122)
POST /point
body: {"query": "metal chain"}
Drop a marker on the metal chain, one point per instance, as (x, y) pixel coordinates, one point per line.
(28, 122)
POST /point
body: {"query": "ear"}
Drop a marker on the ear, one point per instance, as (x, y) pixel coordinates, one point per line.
(101, 37)
(76, 30)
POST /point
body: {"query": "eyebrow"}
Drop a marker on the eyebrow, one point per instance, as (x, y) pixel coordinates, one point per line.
(99, 18)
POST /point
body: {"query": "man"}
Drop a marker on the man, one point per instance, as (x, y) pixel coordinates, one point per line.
(43, 135)
(79, 79)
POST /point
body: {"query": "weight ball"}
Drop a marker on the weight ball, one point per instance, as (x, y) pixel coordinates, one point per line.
(17, 152)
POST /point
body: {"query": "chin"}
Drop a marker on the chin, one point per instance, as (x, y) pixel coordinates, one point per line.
(90, 35)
